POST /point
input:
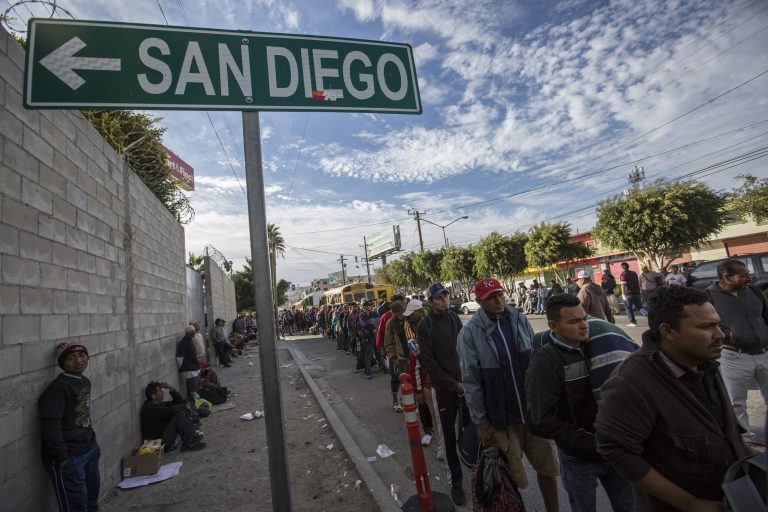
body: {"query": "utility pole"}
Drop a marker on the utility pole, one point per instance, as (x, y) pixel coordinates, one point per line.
(343, 269)
(367, 265)
(417, 215)
(636, 176)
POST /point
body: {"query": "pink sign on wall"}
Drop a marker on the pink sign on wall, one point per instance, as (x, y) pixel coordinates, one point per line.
(181, 170)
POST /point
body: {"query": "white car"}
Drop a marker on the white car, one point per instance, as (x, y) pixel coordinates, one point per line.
(467, 308)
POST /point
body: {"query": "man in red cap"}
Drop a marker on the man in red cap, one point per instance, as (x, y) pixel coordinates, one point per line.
(70, 451)
(494, 350)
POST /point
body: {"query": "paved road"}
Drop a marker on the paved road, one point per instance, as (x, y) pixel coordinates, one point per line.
(364, 406)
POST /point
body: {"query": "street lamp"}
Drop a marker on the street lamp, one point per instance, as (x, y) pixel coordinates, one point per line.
(445, 238)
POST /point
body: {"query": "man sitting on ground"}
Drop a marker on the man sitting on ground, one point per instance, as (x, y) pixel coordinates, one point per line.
(167, 420)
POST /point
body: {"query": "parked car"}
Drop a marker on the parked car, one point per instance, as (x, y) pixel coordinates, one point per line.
(757, 265)
(468, 308)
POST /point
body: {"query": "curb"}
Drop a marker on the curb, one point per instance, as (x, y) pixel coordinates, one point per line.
(376, 485)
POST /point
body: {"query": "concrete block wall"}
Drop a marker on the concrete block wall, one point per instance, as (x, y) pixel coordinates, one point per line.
(86, 253)
(220, 296)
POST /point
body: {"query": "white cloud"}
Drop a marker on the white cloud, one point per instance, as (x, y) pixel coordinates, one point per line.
(425, 52)
(364, 10)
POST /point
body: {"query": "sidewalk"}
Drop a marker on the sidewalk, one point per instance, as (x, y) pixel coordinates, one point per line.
(364, 406)
(231, 474)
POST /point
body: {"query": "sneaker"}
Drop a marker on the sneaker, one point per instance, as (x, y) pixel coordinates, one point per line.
(440, 453)
(369, 376)
(197, 438)
(426, 440)
(193, 446)
(631, 324)
(457, 495)
(196, 423)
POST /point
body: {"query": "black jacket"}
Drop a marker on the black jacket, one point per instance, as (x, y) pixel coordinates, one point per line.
(561, 405)
(746, 314)
(649, 419)
(154, 417)
(185, 350)
(437, 336)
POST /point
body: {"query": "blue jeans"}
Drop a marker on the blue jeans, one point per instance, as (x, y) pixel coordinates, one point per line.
(580, 482)
(633, 301)
(77, 483)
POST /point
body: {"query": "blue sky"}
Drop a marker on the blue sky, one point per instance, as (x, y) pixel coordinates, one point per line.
(555, 96)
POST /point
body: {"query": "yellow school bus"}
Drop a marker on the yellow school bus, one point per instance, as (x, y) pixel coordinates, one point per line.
(358, 292)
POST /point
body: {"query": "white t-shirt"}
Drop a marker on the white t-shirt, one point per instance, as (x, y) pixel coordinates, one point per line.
(676, 279)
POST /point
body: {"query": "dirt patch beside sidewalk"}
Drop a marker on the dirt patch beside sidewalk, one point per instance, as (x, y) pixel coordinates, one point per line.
(231, 474)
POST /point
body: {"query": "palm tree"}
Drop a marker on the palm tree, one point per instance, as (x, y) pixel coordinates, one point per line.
(195, 261)
(276, 247)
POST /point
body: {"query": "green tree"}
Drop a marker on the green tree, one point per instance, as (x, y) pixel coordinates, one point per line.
(427, 265)
(282, 288)
(137, 138)
(458, 264)
(197, 263)
(243, 280)
(401, 274)
(660, 220)
(500, 256)
(549, 244)
(276, 248)
(751, 199)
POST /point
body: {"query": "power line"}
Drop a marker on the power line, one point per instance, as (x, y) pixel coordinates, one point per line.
(691, 70)
(715, 168)
(162, 12)
(207, 114)
(225, 154)
(546, 186)
(709, 42)
(346, 228)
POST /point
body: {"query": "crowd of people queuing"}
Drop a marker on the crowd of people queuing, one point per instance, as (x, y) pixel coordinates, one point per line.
(637, 291)
(70, 451)
(657, 425)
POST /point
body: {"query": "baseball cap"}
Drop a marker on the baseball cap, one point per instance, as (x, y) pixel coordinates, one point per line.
(412, 306)
(435, 289)
(486, 287)
(65, 348)
(582, 274)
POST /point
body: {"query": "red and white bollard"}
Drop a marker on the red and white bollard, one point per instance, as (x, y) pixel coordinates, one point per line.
(424, 496)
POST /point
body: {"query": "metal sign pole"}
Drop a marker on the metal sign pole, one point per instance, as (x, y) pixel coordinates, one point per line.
(279, 475)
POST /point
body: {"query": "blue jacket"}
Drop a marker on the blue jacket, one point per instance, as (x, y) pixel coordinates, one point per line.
(481, 370)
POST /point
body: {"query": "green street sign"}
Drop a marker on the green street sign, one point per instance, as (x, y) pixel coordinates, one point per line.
(101, 65)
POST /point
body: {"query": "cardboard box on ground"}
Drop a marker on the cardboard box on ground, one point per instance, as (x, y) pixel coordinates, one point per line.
(141, 465)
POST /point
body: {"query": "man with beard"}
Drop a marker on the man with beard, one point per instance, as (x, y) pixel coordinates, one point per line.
(664, 418)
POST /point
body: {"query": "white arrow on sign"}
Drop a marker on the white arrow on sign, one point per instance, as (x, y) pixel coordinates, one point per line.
(62, 63)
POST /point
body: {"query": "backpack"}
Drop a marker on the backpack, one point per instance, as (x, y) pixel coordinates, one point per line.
(468, 441)
(428, 321)
(744, 484)
(608, 283)
(214, 394)
(500, 494)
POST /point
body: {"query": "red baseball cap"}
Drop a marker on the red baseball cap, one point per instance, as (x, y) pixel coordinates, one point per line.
(486, 287)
